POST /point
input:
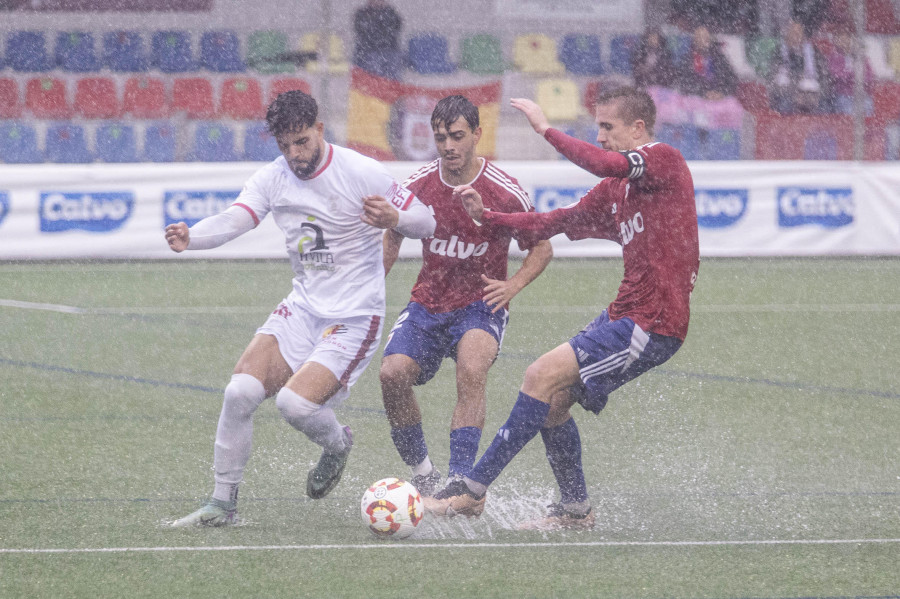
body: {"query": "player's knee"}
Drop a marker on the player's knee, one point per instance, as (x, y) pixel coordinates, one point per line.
(243, 394)
(539, 380)
(396, 374)
(294, 408)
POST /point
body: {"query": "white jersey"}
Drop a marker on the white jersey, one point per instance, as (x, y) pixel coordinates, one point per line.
(336, 258)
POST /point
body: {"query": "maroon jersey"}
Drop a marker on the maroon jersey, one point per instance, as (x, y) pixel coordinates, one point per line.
(460, 251)
(650, 210)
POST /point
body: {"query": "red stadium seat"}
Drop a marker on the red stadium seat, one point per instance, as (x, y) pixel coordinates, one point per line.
(242, 99)
(45, 98)
(10, 102)
(284, 84)
(97, 98)
(145, 98)
(194, 97)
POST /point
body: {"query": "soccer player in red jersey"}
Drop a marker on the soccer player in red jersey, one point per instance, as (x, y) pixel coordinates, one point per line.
(459, 302)
(645, 203)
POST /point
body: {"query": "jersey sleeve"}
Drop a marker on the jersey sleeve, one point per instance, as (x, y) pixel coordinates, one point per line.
(254, 197)
(655, 166)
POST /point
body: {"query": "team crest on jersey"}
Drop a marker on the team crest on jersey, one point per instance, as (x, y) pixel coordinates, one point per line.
(337, 329)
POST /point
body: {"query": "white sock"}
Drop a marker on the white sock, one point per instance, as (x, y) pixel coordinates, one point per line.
(316, 422)
(234, 435)
(425, 467)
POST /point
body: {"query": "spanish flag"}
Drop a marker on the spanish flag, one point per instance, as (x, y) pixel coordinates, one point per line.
(391, 120)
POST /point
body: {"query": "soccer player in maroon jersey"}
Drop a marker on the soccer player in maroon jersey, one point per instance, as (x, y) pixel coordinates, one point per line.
(645, 203)
(459, 302)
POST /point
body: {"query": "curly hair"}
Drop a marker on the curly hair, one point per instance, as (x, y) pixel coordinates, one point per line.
(291, 111)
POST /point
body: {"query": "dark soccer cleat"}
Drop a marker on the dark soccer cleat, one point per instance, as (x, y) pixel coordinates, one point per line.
(560, 518)
(427, 484)
(327, 473)
(456, 499)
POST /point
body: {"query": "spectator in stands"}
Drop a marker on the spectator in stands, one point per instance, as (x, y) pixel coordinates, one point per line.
(842, 72)
(704, 71)
(800, 77)
(377, 27)
(652, 63)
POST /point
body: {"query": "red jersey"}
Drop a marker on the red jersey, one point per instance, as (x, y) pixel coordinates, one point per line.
(460, 251)
(649, 210)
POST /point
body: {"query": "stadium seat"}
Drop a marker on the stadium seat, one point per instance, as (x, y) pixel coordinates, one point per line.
(213, 142)
(97, 98)
(259, 144)
(580, 53)
(220, 52)
(115, 142)
(680, 45)
(145, 98)
(428, 54)
(722, 144)
(621, 53)
(820, 144)
(559, 99)
(285, 84)
(172, 52)
(336, 56)
(123, 51)
(760, 52)
(75, 52)
(18, 143)
(194, 97)
(264, 49)
(482, 54)
(160, 142)
(26, 52)
(685, 138)
(242, 99)
(10, 100)
(65, 142)
(46, 98)
(535, 53)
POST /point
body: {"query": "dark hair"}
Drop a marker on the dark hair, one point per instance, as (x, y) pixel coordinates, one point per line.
(291, 111)
(634, 104)
(453, 107)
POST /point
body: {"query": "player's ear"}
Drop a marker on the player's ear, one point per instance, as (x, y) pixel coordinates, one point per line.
(320, 127)
(639, 128)
(477, 134)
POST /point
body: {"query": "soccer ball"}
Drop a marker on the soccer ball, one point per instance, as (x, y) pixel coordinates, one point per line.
(391, 508)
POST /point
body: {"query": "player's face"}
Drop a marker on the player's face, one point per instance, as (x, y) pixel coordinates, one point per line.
(615, 134)
(456, 145)
(302, 148)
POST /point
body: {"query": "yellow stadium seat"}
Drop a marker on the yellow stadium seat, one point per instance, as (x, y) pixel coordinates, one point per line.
(894, 54)
(536, 53)
(336, 57)
(559, 98)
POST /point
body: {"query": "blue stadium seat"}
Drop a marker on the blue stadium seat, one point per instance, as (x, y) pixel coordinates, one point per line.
(123, 51)
(685, 138)
(723, 144)
(820, 145)
(18, 143)
(26, 52)
(159, 142)
(75, 52)
(172, 52)
(116, 143)
(428, 54)
(581, 54)
(220, 51)
(259, 144)
(621, 51)
(213, 142)
(66, 142)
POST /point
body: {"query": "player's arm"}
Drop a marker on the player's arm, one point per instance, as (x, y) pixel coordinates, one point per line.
(392, 242)
(498, 294)
(413, 219)
(212, 231)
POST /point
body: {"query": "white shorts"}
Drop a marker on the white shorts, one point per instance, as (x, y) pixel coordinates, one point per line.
(344, 346)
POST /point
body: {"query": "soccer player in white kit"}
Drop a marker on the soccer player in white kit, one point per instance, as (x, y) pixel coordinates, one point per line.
(332, 205)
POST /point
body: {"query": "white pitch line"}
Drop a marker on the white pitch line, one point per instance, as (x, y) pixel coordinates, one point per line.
(8, 303)
(414, 545)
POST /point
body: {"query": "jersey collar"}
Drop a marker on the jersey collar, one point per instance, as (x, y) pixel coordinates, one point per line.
(325, 162)
(478, 174)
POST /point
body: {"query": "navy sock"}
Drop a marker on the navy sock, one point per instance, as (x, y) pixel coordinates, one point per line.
(563, 445)
(524, 422)
(463, 449)
(410, 443)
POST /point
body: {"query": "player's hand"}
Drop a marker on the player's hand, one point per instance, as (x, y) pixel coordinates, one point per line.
(471, 201)
(178, 237)
(533, 113)
(497, 293)
(378, 213)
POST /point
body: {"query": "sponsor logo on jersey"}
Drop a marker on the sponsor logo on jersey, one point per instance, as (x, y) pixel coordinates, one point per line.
(282, 310)
(399, 196)
(551, 198)
(827, 207)
(191, 207)
(97, 212)
(720, 208)
(337, 329)
(4, 205)
(631, 227)
(456, 248)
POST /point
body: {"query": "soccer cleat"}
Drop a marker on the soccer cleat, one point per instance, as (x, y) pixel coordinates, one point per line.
(559, 518)
(327, 473)
(456, 499)
(215, 513)
(427, 484)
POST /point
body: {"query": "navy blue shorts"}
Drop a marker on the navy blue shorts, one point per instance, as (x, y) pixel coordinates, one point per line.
(611, 353)
(429, 338)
